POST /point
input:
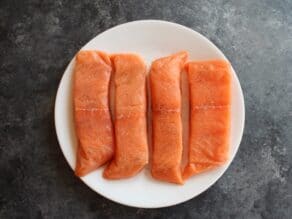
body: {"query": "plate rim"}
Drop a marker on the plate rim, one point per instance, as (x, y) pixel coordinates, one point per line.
(175, 25)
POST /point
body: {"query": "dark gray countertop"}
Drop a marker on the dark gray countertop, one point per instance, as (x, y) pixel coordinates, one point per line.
(37, 40)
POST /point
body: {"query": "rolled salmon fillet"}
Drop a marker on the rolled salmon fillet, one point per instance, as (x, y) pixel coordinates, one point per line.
(91, 111)
(166, 117)
(210, 99)
(131, 153)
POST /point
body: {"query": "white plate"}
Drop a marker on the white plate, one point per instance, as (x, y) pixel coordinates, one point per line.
(151, 39)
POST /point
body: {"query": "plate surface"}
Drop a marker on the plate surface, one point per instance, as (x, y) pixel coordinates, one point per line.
(151, 39)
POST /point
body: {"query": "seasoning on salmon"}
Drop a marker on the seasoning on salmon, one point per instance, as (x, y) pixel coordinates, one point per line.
(91, 111)
(210, 99)
(166, 117)
(131, 152)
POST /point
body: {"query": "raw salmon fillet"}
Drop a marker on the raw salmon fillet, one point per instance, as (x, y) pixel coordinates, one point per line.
(166, 117)
(91, 112)
(131, 153)
(210, 99)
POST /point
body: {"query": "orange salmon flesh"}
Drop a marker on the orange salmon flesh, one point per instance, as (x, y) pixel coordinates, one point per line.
(91, 111)
(210, 99)
(166, 117)
(183, 143)
(131, 153)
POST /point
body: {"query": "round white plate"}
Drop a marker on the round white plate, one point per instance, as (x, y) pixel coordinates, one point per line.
(151, 39)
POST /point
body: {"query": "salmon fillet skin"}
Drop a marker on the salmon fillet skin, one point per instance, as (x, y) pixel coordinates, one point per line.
(166, 117)
(131, 151)
(210, 100)
(92, 117)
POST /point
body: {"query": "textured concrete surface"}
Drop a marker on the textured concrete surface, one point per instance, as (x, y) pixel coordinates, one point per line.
(37, 40)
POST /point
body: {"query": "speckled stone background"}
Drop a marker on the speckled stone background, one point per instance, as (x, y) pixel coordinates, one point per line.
(37, 40)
